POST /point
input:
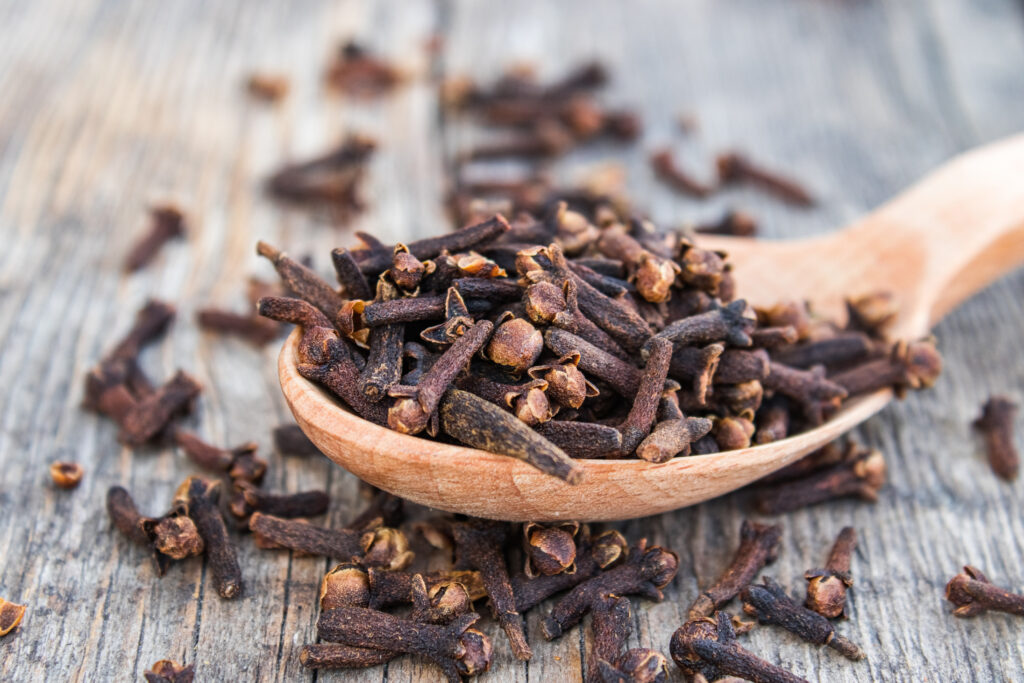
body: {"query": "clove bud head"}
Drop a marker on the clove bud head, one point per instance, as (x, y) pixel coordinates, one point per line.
(641, 665)
(550, 550)
(347, 585)
(515, 344)
(474, 653)
(388, 548)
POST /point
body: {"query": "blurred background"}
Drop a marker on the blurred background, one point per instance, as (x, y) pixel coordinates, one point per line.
(109, 107)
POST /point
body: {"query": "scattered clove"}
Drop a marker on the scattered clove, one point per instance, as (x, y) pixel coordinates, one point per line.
(734, 167)
(772, 605)
(289, 439)
(974, 594)
(707, 647)
(198, 498)
(252, 328)
(826, 588)
(66, 475)
(861, 476)
(358, 72)
(996, 426)
(550, 548)
(645, 572)
(610, 627)
(666, 169)
(166, 223)
(732, 224)
(267, 86)
(759, 546)
(144, 420)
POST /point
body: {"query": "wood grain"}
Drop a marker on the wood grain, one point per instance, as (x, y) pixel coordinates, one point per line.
(111, 105)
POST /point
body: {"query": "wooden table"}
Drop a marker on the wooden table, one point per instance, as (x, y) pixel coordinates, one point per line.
(109, 106)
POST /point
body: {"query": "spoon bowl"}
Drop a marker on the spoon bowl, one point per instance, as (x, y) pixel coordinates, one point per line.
(932, 246)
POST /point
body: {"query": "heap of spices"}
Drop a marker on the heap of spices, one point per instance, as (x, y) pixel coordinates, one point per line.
(996, 426)
(707, 647)
(974, 594)
(11, 615)
(358, 72)
(528, 359)
(66, 475)
(826, 588)
(861, 474)
(167, 671)
(166, 223)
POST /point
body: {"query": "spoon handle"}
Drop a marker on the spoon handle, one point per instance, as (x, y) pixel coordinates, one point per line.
(948, 236)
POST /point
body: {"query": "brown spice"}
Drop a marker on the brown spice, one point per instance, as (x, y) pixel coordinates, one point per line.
(166, 671)
(198, 498)
(759, 546)
(166, 223)
(734, 167)
(550, 548)
(267, 86)
(151, 415)
(252, 328)
(610, 627)
(11, 615)
(66, 475)
(666, 168)
(974, 594)
(289, 439)
(861, 476)
(996, 426)
(826, 588)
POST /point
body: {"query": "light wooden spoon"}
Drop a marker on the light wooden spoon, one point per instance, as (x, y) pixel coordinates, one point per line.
(932, 246)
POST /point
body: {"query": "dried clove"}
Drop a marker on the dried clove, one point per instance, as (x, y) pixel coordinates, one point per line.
(722, 323)
(384, 362)
(289, 439)
(458, 649)
(171, 537)
(550, 548)
(732, 433)
(252, 328)
(861, 476)
(294, 311)
(772, 605)
(841, 349)
(706, 647)
(66, 475)
(696, 367)
(332, 179)
(479, 423)
(166, 223)
(198, 498)
(996, 426)
(826, 588)
(147, 418)
(301, 504)
(515, 344)
(671, 438)
(307, 538)
(11, 615)
(358, 72)
(390, 587)
(639, 665)
(350, 277)
(807, 388)
(666, 168)
(582, 439)
(565, 383)
(166, 671)
(239, 463)
(908, 366)
(871, 313)
(376, 260)
(620, 375)
(125, 516)
(734, 167)
(610, 627)
(974, 594)
(324, 358)
(301, 280)
(759, 546)
(733, 223)
(415, 405)
(593, 555)
(772, 422)
(479, 544)
(645, 572)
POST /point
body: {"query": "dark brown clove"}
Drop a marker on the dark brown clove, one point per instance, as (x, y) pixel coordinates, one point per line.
(610, 627)
(406, 270)
(390, 587)
(550, 548)
(772, 423)
(515, 344)
(732, 433)
(251, 328)
(759, 546)
(839, 350)
(198, 498)
(703, 269)
(736, 366)
(242, 459)
(458, 649)
(620, 375)
(301, 504)
(666, 168)
(307, 538)
(645, 572)
(639, 665)
(592, 556)
(734, 167)
(772, 605)
(996, 426)
(707, 648)
(360, 73)
(172, 537)
(547, 303)
(147, 418)
(774, 337)
(415, 405)
(384, 361)
(324, 358)
(332, 179)
(565, 382)
(653, 275)
(826, 588)
(346, 585)
(872, 313)
(350, 277)
(974, 594)
(582, 439)
(295, 311)
(479, 423)
(642, 413)
(908, 366)
(733, 223)
(479, 544)
(300, 279)
(807, 388)
(166, 223)
(125, 516)
(696, 367)
(671, 438)
(11, 615)
(166, 671)
(289, 439)
(861, 476)
(724, 323)
(66, 475)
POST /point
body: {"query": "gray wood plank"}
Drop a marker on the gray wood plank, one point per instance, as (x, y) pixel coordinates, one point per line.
(111, 105)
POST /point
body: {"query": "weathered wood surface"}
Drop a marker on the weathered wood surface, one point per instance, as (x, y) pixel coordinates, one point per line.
(107, 106)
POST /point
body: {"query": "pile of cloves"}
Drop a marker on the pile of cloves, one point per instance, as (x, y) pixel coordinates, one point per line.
(521, 338)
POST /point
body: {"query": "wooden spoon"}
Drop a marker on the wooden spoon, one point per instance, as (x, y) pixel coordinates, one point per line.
(932, 246)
